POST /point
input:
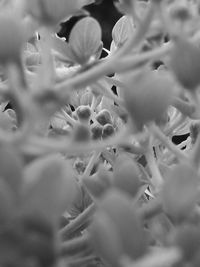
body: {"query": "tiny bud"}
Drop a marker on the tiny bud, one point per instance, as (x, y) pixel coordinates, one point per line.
(83, 113)
(104, 117)
(108, 130)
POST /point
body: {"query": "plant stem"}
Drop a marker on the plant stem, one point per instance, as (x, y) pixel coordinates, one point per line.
(149, 210)
(90, 165)
(77, 222)
(84, 261)
(159, 258)
(68, 118)
(164, 140)
(157, 179)
(47, 72)
(195, 153)
(186, 108)
(40, 145)
(75, 245)
(142, 29)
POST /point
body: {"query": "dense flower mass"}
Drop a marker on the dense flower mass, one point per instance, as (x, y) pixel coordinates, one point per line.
(89, 172)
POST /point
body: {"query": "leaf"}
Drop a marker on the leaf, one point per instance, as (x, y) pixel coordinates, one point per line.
(85, 39)
(50, 187)
(122, 30)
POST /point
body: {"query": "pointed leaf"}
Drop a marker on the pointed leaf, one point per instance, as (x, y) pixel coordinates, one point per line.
(50, 187)
(85, 39)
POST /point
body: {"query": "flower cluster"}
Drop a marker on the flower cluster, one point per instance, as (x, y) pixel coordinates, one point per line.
(89, 174)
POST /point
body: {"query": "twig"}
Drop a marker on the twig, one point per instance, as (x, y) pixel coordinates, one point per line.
(140, 32)
(81, 261)
(164, 140)
(157, 179)
(149, 210)
(159, 258)
(75, 245)
(40, 145)
(77, 222)
(90, 165)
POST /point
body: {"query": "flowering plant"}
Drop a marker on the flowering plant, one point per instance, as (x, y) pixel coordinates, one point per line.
(89, 174)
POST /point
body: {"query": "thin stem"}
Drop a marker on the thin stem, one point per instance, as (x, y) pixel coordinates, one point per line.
(164, 140)
(77, 222)
(149, 210)
(68, 118)
(89, 76)
(140, 32)
(90, 165)
(81, 261)
(157, 178)
(175, 125)
(186, 108)
(47, 71)
(112, 81)
(75, 245)
(109, 66)
(159, 258)
(23, 105)
(195, 153)
(109, 94)
(38, 145)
